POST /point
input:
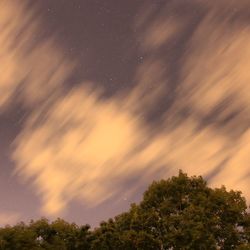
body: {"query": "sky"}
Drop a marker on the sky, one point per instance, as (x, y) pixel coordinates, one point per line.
(98, 98)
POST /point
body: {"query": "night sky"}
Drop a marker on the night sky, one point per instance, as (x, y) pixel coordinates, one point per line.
(98, 98)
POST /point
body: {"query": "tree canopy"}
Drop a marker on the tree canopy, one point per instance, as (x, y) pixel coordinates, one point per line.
(178, 213)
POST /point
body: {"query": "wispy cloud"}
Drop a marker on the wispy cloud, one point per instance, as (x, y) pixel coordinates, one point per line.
(31, 70)
(77, 148)
(8, 218)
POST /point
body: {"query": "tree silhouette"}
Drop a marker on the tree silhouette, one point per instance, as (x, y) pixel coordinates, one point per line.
(179, 213)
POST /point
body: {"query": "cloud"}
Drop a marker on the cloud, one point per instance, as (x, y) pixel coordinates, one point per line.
(236, 172)
(76, 149)
(8, 218)
(77, 145)
(160, 32)
(215, 88)
(83, 146)
(31, 70)
(217, 70)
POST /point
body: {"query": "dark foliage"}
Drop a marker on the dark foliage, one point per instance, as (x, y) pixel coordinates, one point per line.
(178, 213)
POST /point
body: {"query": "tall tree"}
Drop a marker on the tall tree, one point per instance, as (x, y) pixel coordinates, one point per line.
(184, 213)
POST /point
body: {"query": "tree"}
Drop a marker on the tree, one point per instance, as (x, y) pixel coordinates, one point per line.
(184, 213)
(179, 213)
(18, 237)
(41, 234)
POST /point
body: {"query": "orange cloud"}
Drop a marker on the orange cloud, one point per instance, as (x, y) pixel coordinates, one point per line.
(8, 218)
(76, 149)
(29, 70)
